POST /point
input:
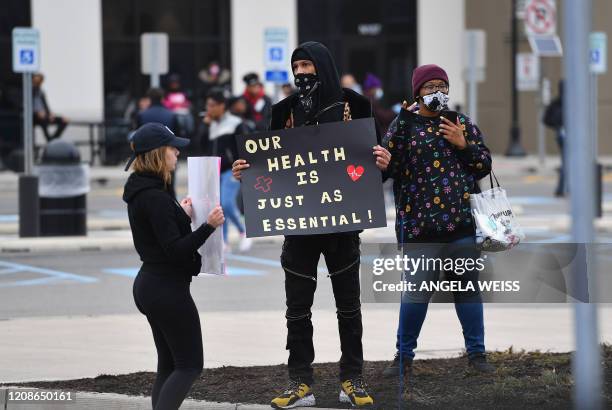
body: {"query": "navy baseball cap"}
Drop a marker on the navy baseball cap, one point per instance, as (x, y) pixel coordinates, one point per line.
(151, 136)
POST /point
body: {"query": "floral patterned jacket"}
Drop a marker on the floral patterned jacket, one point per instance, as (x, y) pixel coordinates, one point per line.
(432, 178)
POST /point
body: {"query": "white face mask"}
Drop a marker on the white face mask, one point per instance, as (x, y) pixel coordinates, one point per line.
(436, 102)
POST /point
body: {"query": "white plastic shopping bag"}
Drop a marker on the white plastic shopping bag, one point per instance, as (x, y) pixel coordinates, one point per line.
(497, 227)
(204, 191)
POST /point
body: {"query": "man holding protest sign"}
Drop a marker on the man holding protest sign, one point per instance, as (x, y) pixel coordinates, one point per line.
(320, 100)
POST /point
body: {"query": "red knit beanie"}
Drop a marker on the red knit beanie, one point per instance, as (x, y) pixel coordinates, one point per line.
(425, 73)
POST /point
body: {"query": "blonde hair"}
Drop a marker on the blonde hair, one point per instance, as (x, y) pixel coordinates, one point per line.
(153, 162)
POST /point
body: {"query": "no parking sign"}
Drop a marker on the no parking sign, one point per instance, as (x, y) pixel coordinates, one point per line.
(540, 17)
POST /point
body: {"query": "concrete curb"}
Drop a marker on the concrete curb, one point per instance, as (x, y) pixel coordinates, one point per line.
(97, 224)
(113, 241)
(87, 400)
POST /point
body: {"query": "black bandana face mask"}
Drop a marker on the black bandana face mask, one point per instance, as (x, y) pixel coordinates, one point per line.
(306, 85)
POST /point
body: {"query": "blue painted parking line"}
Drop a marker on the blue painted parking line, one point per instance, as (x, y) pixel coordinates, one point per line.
(129, 272)
(50, 276)
(253, 259)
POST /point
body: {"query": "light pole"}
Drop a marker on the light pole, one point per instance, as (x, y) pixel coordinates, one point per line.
(515, 148)
(586, 363)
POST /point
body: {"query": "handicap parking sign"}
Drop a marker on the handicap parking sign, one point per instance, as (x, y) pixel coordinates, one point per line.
(26, 56)
(598, 42)
(276, 61)
(26, 50)
(276, 54)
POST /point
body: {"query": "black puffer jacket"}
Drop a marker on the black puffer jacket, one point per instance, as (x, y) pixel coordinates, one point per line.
(162, 230)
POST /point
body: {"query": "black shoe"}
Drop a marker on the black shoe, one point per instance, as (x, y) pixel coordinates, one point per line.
(394, 369)
(479, 363)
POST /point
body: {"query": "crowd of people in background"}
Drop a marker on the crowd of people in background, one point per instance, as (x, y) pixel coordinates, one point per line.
(212, 117)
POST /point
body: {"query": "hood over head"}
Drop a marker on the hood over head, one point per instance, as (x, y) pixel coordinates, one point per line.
(330, 90)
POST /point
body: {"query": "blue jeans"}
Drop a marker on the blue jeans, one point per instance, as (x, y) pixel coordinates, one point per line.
(229, 192)
(468, 305)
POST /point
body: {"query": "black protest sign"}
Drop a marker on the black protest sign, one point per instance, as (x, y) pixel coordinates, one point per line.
(312, 180)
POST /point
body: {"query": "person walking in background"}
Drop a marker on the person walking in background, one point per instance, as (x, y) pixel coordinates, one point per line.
(156, 112)
(553, 118)
(287, 89)
(43, 116)
(219, 135)
(348, 81)
(259, 104)
(372, 88)
(161, 229)
(437, 157)
(239, 107)
(213, 76)
(177, 101)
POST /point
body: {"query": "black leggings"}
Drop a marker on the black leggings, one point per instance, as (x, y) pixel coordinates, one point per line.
(175, 323)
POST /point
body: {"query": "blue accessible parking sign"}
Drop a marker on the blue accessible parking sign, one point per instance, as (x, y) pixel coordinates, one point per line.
(26, 50)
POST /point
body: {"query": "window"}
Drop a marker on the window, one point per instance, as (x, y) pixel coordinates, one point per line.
(198, 32)
(380, 38)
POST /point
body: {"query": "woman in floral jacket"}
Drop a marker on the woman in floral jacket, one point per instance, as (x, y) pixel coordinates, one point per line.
(437, 158)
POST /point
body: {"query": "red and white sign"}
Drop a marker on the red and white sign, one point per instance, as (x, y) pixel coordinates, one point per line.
(540, 17)
(527, 72)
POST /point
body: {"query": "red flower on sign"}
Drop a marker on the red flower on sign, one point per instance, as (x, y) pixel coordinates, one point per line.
(263, 184)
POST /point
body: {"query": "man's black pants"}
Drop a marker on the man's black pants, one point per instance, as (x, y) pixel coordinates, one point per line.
(300, 258)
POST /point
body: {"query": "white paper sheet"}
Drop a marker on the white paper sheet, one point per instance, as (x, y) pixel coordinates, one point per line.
(204, 190)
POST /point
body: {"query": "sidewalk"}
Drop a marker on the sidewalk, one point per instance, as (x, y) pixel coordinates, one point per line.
(62, 348)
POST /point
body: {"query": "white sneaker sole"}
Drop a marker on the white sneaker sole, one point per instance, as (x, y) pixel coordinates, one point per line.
(308, 401)
(344, 398)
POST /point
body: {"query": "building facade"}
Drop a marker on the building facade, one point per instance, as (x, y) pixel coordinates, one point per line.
(91, 50)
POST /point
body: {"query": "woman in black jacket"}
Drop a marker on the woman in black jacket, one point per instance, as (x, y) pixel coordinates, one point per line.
(161, 228)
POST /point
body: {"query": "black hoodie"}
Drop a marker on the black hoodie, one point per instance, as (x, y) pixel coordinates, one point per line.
(162, 230)
(329, 93)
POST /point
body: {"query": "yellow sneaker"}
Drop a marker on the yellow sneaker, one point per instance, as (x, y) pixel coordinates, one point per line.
(297, 395)
(354, 391)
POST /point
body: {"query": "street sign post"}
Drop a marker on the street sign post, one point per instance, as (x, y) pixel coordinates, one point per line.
(154, 56)
(586, 361)
(26, 60)
(527, 72)
(474, 67)
(276, 57)
(598, 52)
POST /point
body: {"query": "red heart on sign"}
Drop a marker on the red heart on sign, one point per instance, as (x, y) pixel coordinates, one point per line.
(354, 172)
